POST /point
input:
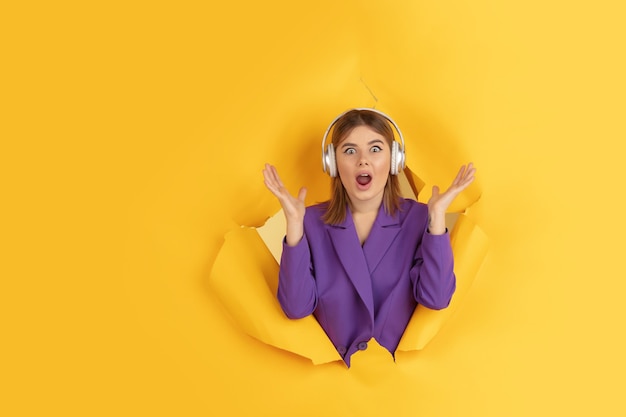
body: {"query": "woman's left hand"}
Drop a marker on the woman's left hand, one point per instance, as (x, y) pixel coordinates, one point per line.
(439, 202)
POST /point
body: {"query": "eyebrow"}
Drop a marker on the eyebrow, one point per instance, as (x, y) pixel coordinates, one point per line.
(371, 142)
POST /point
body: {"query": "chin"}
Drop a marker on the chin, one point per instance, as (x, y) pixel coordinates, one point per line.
(365, 196)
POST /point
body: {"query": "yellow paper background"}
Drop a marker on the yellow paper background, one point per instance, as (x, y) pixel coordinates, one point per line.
(133, 136)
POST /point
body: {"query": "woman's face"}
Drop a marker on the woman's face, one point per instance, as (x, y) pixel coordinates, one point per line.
(363, 162)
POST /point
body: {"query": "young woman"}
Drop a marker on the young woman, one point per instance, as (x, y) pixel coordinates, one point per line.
(362, 261)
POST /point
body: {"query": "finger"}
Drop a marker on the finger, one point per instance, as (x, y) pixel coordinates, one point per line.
(435, 191)
(470, 170)
(465, 183)
(302, 194)
(268, 177)
(272, 184)
(268, 173)
(270, 170)
(276, 176)
(272, 187)
(459, 176)
(469, 174)
(273, 179)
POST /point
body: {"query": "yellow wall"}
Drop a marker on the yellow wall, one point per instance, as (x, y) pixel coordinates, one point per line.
(133, 138)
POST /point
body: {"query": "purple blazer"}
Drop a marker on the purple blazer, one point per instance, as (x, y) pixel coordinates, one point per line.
(357, 293)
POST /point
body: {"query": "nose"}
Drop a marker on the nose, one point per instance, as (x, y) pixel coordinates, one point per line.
(363, 161)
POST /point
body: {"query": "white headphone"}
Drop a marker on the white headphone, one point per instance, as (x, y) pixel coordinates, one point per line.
(329, 163)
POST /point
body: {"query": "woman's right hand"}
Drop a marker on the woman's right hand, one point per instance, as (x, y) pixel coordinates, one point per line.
(293, 207)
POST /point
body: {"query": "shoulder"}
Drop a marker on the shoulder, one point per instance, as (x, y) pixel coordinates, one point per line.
(314, 214)
(412, 216)
(411, 208)
(317, 209)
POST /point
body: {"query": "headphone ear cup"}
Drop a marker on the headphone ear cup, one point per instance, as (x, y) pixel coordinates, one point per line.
(394, 159)
(330, 161)
(401, 158)
(398, 158)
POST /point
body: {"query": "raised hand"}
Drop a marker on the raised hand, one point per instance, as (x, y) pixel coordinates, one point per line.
(293, 207)
(439, 202)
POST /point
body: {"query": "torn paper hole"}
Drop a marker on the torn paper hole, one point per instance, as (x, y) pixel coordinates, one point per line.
(245, 278)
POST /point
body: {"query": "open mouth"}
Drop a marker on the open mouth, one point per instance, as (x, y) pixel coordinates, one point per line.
(364, 179)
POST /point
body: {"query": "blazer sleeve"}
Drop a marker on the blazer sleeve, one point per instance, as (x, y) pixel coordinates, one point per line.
(432, 275)
(297, 290)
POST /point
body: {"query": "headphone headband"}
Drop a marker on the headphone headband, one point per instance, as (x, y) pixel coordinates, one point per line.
(330, 126)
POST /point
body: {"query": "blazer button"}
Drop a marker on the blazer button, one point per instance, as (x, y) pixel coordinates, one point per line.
(362, 345)
(342, 350)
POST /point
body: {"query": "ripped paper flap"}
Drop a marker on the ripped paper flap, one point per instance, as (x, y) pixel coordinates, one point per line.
(470, 246)
(245, 278)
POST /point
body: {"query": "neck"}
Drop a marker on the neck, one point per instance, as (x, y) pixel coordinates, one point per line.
(365, 207)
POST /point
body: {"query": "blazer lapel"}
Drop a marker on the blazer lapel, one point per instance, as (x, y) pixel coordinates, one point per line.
(348, 248)
(383, 233)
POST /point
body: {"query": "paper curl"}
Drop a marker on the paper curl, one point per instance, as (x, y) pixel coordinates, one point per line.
(245, 277)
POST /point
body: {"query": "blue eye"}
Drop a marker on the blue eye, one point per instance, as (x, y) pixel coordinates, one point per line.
(376, 149)
(349, 151)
